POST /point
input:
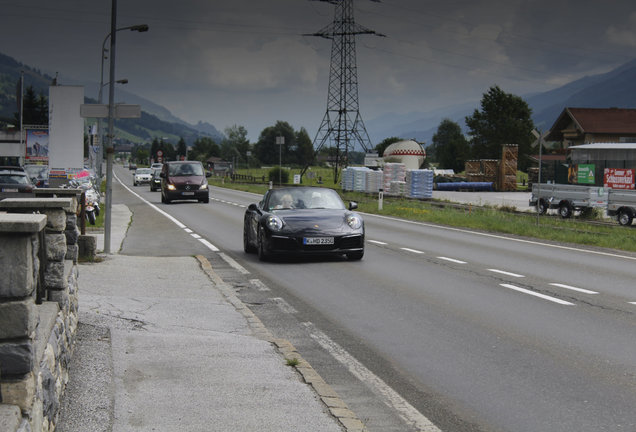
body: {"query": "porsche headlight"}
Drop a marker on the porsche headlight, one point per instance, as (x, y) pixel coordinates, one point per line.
(274, 223)
(354, 221)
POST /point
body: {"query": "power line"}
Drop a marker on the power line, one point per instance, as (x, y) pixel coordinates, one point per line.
(342, 123)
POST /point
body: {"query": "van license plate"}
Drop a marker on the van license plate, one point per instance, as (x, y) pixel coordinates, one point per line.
(187, 193)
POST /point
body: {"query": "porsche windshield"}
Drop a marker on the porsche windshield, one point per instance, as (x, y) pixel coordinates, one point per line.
(305, 198)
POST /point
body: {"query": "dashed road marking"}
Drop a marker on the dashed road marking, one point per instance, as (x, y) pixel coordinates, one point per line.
(453, 260)
(209, 245)
(283, 305)
(412, 250)
(536, 294)
(259, 285)
(506, 273)
(377, 242)
(235, 265)
(585, 291)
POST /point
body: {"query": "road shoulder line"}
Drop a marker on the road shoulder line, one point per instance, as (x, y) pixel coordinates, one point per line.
(336, 406)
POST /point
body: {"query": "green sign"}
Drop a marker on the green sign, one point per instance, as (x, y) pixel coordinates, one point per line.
(585, 174)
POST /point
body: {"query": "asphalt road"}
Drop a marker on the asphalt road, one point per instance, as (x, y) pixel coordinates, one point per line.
(469, 331)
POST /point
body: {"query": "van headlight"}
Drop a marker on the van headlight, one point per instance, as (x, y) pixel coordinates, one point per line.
(274, 223)
(171, 187)
(204, 186)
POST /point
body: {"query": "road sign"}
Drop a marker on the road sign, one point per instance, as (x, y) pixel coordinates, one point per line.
(101, 111)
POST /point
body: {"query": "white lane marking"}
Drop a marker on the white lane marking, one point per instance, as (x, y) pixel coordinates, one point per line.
(234, 264)
(259, 285)
(195, 235)
(390, 397)
(536, 294)
(634, 303)
(412, 250)
(188, 230)
(506, 273)
(501, 237)
(176, 221)
(283, 305)
(573, 288)
(209, 245)
(377, 242)
(451, 260)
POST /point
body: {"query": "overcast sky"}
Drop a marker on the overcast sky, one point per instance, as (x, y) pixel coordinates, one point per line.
(246, 62)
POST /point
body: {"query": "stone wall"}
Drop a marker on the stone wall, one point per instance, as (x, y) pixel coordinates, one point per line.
(38, 309)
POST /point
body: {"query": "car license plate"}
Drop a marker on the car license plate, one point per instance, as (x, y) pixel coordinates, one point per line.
(318, 240)
(9, 190)
(187, 193)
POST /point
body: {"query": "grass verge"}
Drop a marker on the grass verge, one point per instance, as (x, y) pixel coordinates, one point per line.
(501, 220)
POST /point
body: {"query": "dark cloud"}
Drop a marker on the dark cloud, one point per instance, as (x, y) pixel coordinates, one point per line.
(246, 62)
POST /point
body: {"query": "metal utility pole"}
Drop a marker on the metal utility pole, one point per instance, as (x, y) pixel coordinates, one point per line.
(342, 124)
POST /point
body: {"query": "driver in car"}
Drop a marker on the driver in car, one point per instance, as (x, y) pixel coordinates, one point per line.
(286, 202)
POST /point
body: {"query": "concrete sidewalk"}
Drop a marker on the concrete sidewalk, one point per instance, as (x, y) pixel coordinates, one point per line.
(165, 345)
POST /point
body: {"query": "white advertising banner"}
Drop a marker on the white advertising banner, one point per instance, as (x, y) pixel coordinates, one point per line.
(66, 128)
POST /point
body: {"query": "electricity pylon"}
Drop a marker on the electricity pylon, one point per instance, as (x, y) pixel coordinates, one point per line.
(342, 124)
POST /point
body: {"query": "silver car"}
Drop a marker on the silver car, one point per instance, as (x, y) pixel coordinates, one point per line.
(142, 175)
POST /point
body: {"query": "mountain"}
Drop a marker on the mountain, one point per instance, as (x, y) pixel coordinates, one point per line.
(612, 89)
(155, 122)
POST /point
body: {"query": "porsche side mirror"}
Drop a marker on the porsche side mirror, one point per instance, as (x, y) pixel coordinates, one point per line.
(353, 205)
(252, 207)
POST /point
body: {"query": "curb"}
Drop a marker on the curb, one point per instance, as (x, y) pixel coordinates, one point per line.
(336, 406)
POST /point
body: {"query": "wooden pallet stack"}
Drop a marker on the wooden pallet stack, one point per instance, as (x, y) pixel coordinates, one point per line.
(508, 167)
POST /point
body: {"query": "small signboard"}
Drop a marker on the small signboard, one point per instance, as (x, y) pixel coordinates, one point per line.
(585, 174)
(618, 178)
(37, 145)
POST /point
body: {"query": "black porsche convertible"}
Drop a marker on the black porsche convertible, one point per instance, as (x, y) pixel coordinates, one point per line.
(303, 220)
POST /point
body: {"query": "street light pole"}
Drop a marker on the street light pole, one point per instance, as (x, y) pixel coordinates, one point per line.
(111, 119)
(139, 28)
(280, 141)
(111, 109)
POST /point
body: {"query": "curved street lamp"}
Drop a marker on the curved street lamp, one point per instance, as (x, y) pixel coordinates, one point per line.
(111, 112)
(139, 28)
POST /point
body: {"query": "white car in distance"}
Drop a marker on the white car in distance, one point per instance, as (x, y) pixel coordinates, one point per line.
(142, 175)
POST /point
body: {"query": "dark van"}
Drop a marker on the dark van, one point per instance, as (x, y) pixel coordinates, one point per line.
(184, 180)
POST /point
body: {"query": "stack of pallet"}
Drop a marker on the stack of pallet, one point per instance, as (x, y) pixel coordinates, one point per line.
(419, 183)
(393, 172)
(508, 167)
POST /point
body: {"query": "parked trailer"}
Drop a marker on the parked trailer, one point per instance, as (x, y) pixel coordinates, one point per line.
(567, 198)
(622, 204)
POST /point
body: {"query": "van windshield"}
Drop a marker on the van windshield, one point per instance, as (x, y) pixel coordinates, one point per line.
(186, 169)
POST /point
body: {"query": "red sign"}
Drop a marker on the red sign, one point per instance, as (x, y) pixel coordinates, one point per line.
(619, 178)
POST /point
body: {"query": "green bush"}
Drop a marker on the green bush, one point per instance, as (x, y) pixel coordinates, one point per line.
(273, 175)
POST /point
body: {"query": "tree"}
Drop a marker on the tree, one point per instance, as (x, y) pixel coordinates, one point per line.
(304, 148)
(450, 147)
(504, 119)
(385, 143)
(236, 145)
(182, 148)
(266, 149)
(35, 109)
(203, 149)
(167, 150)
